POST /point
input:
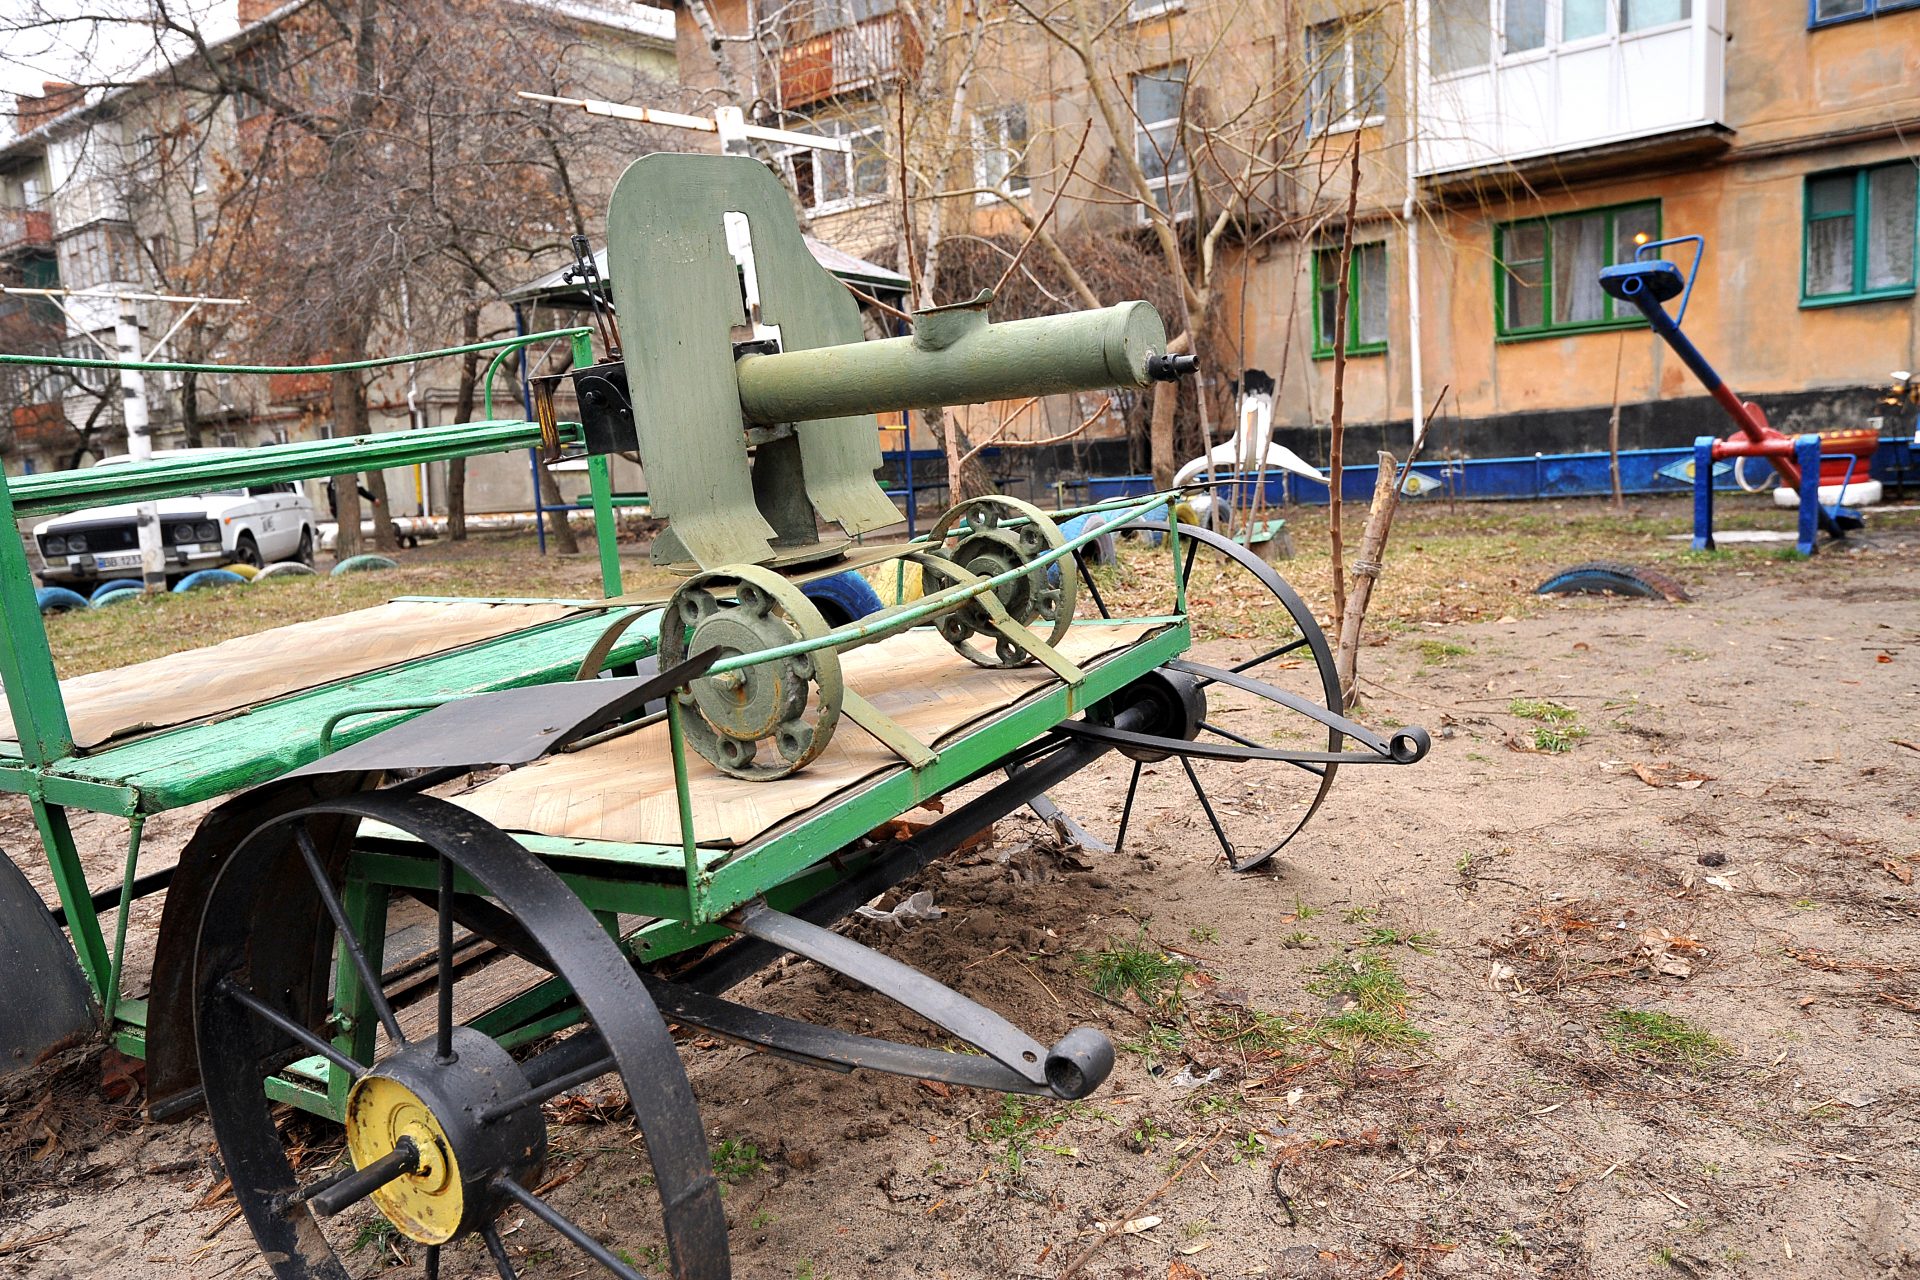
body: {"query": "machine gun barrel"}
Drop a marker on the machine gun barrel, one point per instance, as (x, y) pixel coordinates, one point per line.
(955, 356)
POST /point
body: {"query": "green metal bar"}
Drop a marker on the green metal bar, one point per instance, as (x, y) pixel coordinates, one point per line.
(26, 659)
(110, 1004)
(366, 907)
(606, 532)
(901, 617)
(57, 491)
(70, 879)
(332, 722)
(377, 362)
(683, 799)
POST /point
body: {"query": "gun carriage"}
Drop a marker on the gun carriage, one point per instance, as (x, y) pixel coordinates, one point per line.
(697, 780)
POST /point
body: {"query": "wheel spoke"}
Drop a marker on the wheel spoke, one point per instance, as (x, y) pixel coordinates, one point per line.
(552, 1089)
(443, 1022)
(349, 940)
(568, 1228)
(1269, 656)
(1126, 810)
(501, 1262)
(1086, 576)
(1229, 734)
(266, 1012)
(1226, 846)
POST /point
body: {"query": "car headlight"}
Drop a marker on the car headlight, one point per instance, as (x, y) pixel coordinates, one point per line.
(180, 533)
(207, 531)
(76, 543)
(54, 547)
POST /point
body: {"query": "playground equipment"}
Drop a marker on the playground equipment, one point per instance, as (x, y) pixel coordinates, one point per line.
(430, 969)
(1248, 452)
(1650, 283)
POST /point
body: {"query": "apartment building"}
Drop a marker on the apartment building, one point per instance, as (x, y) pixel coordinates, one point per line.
(110, 193)
(1508, 150)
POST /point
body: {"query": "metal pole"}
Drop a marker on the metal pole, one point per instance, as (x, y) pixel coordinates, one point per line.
(133, 391)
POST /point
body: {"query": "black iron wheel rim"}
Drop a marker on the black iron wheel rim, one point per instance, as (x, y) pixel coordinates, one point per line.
(1310, 637)
(538, 917)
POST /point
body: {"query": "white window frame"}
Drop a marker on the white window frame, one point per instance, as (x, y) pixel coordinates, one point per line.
(1497, 56)
(837, 128)
(1143, 139)
(992, 144)
(1347, 121)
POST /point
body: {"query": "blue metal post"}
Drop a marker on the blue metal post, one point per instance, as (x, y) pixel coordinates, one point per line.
(1703, 493)
(1806, 452)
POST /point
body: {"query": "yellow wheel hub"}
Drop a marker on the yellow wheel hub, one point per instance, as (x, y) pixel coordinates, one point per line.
(428, 1204)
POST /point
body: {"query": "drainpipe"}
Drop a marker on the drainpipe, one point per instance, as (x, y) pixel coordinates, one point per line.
(1409, 211)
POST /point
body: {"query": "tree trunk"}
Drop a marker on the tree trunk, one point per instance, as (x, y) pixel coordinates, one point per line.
(463, 412)
(349, 410)
(1366, 571)
(559, 527)
(190, 408)
(1166, 402)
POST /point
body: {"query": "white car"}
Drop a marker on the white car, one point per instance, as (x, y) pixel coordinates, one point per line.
(256, 526)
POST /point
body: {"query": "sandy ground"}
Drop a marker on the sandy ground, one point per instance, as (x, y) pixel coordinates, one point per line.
(1731, 843)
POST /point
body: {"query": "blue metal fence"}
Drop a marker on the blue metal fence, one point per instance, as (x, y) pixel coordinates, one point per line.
(1896, 463)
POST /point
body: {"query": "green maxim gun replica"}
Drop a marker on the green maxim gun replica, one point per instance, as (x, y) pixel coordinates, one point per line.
(749, 393)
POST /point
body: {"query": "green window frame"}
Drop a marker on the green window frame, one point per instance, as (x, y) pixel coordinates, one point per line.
(1860, 232)
(1367, 294)
(1546, 270)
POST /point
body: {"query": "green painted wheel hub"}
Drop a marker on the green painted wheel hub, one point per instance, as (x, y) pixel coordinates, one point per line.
(991, 535)
(789, 704)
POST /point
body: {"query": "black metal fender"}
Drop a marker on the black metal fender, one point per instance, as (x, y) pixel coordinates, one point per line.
(44, 998)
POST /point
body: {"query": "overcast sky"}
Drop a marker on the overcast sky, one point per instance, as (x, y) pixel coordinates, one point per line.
(66, 40)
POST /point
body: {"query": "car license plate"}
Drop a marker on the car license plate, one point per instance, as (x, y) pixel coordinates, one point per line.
(188, 548)
(119, 560)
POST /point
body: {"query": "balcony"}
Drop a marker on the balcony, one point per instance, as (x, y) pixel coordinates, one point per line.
(855, 56)
(24, 230)
(1510, 85)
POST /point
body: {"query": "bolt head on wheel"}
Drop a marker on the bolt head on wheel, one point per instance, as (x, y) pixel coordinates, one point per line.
(413, 1095)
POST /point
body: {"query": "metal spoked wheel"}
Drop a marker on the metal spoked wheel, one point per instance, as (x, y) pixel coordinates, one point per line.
(1259, 658)
(790, 703)
(445, 1128)
(991, 535)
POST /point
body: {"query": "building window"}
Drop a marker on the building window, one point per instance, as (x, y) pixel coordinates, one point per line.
(1348, 60)
(1860, 234)
(1821, 13)
(828, 181)
(1366, 299)
(1159, 108)
(1461, 31)
(1547, 270)
(1000, 152)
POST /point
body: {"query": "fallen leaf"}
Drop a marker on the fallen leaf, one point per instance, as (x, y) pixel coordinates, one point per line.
(1901, 871)
(1188, 1250)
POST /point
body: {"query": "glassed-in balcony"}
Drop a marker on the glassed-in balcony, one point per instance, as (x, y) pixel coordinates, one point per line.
(1503, 81)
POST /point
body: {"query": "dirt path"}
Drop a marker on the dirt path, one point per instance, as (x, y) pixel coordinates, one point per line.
(1645, 1006)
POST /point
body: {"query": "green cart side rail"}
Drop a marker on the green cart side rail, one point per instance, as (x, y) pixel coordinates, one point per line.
(146, 776)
